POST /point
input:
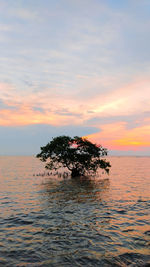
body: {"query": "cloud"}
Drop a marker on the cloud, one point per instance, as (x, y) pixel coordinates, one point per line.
(77, 62)
(118, 136)
(23, 13)
(36, 107)
(5, 28)
(132, 121)
(126, 100)
(3, 106)
(54, 107)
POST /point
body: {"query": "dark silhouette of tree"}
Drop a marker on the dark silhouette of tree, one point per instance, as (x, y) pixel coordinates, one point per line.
(78, 154)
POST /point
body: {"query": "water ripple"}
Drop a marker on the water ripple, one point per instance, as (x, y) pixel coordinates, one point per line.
(48, 221)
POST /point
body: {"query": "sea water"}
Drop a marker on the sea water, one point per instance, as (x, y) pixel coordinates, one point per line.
(48, 220)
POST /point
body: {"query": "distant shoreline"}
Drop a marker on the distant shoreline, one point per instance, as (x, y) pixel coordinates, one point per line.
(109, 156)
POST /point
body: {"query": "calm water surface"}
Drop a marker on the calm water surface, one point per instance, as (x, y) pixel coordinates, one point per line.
(51, 221)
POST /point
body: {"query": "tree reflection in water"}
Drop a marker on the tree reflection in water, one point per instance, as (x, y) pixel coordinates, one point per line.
(84, 189)
(76, 206)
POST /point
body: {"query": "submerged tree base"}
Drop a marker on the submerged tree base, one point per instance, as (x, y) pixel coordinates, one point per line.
(75, 173)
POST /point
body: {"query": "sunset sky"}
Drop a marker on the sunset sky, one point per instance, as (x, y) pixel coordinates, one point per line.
(75, 67)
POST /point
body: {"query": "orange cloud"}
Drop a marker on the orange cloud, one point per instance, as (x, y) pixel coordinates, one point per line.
(136, 138)
(55, 110)
(126, 100)
(58, 108)
(117, 136)
(28, 116)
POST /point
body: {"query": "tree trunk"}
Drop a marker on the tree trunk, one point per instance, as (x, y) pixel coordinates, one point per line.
(75, 173)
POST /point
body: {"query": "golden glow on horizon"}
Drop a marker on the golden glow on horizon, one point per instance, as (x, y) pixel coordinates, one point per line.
(128, 142)
(135, 138)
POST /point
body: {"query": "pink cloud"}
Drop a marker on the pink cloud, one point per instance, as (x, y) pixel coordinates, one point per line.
(62, 109)
(125, 100)
(118, 136)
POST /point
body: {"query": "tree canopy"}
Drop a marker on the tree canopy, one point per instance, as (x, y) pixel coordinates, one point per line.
(77, 154)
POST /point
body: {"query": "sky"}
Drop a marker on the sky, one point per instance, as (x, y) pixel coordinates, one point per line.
(75, 67)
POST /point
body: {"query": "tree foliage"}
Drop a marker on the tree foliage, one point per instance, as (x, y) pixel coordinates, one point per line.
(77, 154)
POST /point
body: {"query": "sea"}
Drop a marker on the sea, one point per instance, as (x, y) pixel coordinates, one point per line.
(49, 219)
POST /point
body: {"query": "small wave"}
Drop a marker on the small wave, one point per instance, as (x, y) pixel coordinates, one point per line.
(11, 221)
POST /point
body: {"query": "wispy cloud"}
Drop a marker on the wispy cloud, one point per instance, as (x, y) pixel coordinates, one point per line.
(57, 108)
(25, 14)
(77, 63)
(126, 100)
